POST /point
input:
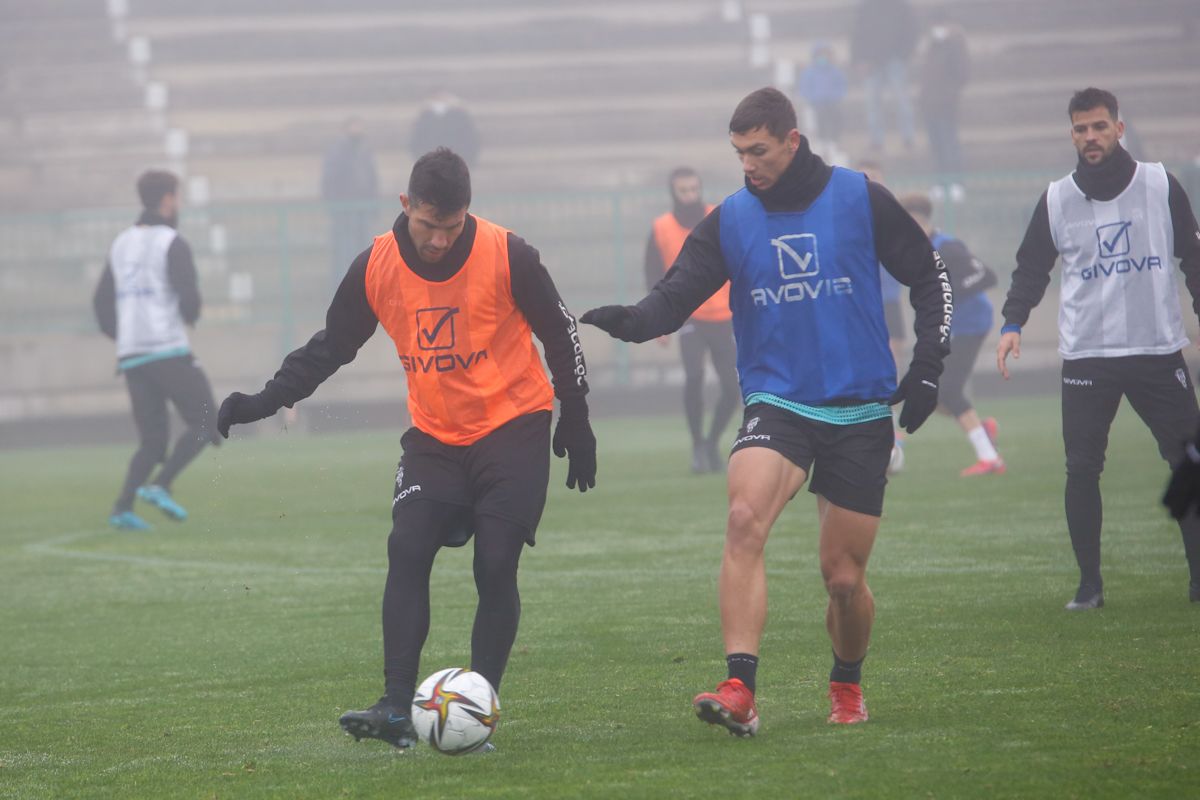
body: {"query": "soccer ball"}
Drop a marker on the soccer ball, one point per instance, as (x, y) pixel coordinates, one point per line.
(455, 710)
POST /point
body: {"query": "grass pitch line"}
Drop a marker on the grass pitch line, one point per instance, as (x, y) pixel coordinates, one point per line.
(56, 546)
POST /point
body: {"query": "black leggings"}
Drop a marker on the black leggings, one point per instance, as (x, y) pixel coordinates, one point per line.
(952, 388)
(716, 339)
(418, 531)
(182, 383)
(1160, 392)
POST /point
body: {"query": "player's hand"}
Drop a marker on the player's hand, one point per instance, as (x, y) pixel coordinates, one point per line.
(238, 409)
(919, 391)
(616, 321)
(1183, 490)
(1009, 343)
(574, 439)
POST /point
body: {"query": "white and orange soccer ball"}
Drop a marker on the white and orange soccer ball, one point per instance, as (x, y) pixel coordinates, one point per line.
(456, 711)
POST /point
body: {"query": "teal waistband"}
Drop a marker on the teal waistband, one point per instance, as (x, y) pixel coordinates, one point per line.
(834, 415)
(146, 358)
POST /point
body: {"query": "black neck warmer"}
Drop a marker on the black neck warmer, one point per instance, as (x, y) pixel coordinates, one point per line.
(1105, 180)
(799, 185)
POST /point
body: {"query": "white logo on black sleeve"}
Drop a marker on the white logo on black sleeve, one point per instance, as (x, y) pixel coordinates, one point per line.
(751, 425)
(1181, 376)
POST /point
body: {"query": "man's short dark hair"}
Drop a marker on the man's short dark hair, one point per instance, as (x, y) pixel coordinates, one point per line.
(1089, 98)
(680, 172)
(154, 185)
(764, 108)
(917, 204)
(440, 178)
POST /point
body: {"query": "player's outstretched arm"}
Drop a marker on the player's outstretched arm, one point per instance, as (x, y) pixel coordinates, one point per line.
(239, 409)
(349, 322)
(698, 272)
(619, 322)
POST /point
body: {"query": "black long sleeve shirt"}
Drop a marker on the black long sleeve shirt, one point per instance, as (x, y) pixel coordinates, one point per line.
(181, 274)
(1104, 181)
(350, 320)
(900, 244)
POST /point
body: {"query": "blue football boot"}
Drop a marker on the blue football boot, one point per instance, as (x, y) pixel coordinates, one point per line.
(128, 521)
(161, 499)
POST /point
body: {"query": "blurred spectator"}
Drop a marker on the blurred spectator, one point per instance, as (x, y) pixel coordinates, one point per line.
(822, 86)
(350, 187)
(882, 42)
(445, 123)
(944, 67)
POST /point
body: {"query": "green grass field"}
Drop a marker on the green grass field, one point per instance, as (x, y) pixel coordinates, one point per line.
(211, 659)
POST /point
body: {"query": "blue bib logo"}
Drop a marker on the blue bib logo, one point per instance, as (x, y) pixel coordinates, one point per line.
(797, 254)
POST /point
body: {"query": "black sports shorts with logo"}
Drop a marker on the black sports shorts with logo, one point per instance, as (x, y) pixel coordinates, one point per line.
(846, 464)
(503, 475)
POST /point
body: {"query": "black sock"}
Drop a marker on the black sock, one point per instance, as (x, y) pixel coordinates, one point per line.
(1085, 515)
(744, 667)
(846, 671)
(1189, 526)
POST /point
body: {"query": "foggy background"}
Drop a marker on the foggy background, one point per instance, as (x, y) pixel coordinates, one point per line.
(581, 107)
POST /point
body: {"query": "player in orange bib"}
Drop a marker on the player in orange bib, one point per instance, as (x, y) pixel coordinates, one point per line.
(709, 329)
(461, 298)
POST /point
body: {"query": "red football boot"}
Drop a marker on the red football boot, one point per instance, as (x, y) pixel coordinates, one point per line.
(846, 703)
(731, 705)
(993, 467)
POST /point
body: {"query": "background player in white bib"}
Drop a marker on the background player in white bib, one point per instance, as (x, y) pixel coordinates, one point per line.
(146, 299)
(1116, 223)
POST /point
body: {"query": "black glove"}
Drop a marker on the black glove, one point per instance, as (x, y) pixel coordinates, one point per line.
(240, 408)
(573, 438)
(616, 321)
(1183, 490)
(918, 389)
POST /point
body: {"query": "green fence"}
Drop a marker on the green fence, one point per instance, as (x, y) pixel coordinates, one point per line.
(271, 262)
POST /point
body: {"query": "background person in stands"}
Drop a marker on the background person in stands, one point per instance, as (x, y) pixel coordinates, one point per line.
(708, 332)
(822, 85)
(445, 122)
(350, 189)
(942, 74)
(882, 41)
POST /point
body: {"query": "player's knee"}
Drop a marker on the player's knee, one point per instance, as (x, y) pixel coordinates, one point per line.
(955, 404)
(843, 585)
(1085, 467)
(745, 527)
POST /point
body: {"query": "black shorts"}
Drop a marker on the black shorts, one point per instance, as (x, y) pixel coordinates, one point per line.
(503, 475)
(846, 464)
(893, 317)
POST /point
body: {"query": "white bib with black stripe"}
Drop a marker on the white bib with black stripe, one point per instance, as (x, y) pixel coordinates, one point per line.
(1119, 290)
